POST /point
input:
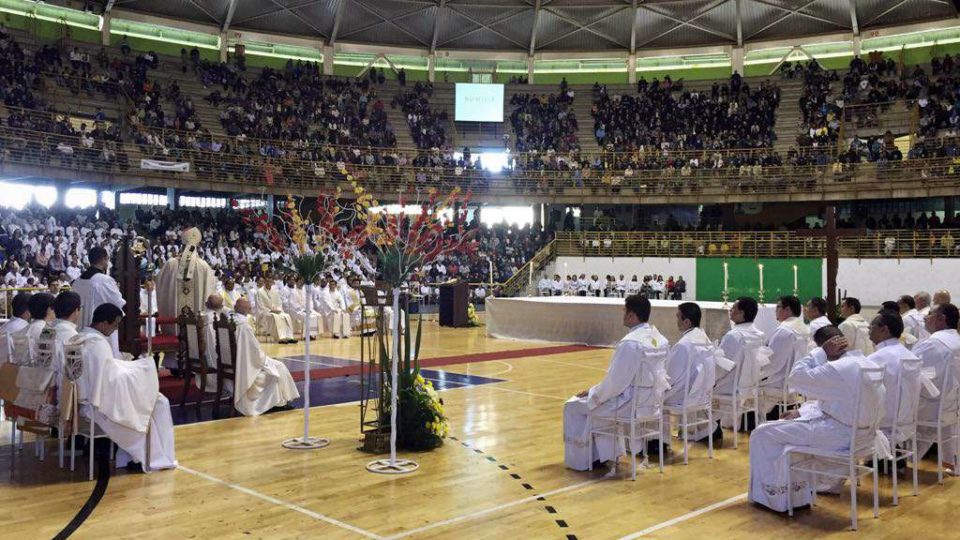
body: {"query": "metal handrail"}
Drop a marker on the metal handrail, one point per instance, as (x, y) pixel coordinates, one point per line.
(524, 274)
(893, 243)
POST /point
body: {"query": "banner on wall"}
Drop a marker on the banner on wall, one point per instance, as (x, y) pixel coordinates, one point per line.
(156, 165)
(743, 278)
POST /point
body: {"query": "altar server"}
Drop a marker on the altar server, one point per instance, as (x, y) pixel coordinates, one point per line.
(830, 377)
(938, 351)
(96, 287)
(262, 383)
(615, 392)
(123, 397)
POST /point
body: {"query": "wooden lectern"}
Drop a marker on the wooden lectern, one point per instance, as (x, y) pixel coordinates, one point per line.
(454, 298)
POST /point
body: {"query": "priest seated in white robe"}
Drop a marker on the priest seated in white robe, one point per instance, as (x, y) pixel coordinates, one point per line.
(96, 287)
(271, 317)
(333, 308)
(123, 397)
(912, 319)
(938, 351)
(297, 309)
(816, 313)
(885, 331)
(789, 342)
(231, 293)
(40, 307)
(740, 346)
(854, 327)
(363, 319)
(686, 371)
(830, 375)
(614, 393)
(942, 296)
(262, 383)
(20, 311)
(34, 385)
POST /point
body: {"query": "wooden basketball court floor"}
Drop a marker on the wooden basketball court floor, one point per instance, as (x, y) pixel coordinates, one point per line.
(500, 475)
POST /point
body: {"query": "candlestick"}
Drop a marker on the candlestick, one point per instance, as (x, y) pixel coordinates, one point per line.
(760, 292)
(795, 287)
(491, 273)
(726, 293)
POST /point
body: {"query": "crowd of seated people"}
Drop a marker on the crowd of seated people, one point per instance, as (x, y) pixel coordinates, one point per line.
(426, 125)
(546, 122)
(665, 116)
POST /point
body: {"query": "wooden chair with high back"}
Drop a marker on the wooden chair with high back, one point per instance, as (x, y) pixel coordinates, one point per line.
(193, 356)
(225, 329)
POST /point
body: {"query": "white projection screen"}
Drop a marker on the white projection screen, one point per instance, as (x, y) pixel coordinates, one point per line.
(479, 102)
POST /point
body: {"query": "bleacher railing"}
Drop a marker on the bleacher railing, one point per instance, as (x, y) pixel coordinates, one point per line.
(529, 272)
(898, 243)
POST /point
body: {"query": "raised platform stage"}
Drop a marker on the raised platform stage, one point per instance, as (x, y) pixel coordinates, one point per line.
(598, 321)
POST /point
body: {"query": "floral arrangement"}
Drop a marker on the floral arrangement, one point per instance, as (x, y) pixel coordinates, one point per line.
(472, 318)
(422, 424)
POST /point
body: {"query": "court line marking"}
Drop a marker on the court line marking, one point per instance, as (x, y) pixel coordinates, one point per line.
(686, 517)
(288, 505)
(494, 387)
(571, 364)
(480, 513)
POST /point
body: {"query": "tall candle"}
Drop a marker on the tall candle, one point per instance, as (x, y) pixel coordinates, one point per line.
(491, 272)
(760, 266)
(794, 277)
(725, 276)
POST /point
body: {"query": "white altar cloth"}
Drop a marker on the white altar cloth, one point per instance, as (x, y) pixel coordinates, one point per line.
(599, 321)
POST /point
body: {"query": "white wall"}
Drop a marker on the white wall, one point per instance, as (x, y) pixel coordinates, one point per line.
(686, 267)
(873, 281)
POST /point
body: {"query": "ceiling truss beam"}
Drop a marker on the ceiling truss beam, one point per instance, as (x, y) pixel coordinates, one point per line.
(436, 25)
(580, 26)
(689, 22)
(481, 27)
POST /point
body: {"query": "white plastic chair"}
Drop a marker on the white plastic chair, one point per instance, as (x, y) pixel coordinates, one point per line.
(948, 412)
(80, 426)
(903, 430)
(697, 398)
(745, 395)
(846, 462)
(632, 423)
(782, 396)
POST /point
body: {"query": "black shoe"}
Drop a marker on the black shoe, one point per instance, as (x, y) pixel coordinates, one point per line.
(717, 437)
(653, 448)
(134, 467)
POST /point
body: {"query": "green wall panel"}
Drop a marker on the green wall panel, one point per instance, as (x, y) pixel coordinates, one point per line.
(744, 278)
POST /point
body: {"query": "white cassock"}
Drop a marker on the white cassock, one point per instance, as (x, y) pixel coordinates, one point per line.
(612, 395)
(688, 372)
(543, 287)
(741, 346)
(789, 342)
(938, 351)
(185, 281)
(333, 309)
(363, 319)
(36, 385)
(262, 382)
(230, 298)
(297, 302)
(127, 403)
(824, 424)
(12, 326)
(913, 323)
(279, 325)
(857, 332)
(819, 323)
(888, 355)
(96, 288)
(148, 306)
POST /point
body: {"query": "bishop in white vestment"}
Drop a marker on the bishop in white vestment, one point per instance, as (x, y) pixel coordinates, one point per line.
(938, 351)
(614, 394)
(124, 398)
(831, 376)
(95, 287)
(185, 281)
(262, 382)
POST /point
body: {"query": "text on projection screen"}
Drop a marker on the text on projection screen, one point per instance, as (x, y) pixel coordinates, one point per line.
(479, 102)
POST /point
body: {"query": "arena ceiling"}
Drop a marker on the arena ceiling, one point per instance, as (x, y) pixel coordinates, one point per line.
(535, 26)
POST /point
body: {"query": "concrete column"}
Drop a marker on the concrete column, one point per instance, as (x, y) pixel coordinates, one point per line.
(270, 205)
(530, 63)
(949, 207)
(856, 45)
(224, 42)
(327, 60)
(105, 30)
(632, 68)
(172, 200)
(431, 67)
(116, 199)
(737, 59)
(62, 186)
